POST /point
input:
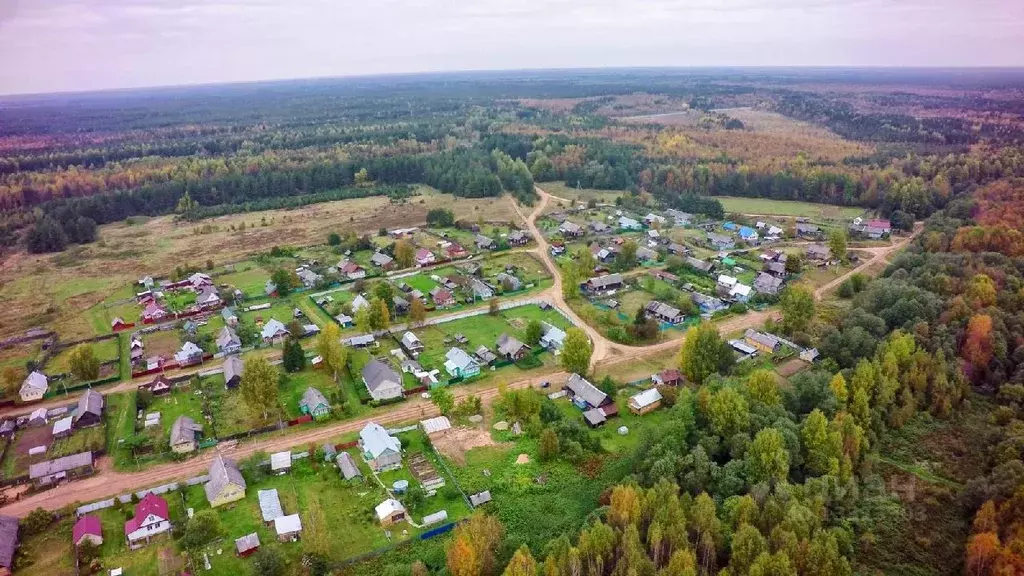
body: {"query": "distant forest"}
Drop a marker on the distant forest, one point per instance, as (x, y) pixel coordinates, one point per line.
(71, 162)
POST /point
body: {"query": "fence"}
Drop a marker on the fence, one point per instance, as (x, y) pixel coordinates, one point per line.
(402, 429)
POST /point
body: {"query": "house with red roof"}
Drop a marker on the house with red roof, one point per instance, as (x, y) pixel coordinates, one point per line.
(153, 312)
(425, 257)
(151, 518)
(442, 297)
(454, 251)
(88, 528)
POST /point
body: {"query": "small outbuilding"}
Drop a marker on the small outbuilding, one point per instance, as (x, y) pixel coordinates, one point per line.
(288, 528)
(280, 462)
(390, 512)
(87, 529)
(246, 545)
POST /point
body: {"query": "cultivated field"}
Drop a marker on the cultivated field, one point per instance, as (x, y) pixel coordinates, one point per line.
(763, 206)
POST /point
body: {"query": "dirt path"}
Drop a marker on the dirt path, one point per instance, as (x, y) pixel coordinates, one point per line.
(606, 353)
(879, 254)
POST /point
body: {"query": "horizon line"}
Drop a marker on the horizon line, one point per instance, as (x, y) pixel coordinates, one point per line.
(186, 85)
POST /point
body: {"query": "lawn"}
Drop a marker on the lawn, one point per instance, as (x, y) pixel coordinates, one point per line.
(281, 309)
(421, 282)
(84, 440)
(483, 329)
(560, 190)
(105, 351)
(764, 206)
(295, 385)
(120, 424)
(161, 343)
(248, 276)
(182, 401)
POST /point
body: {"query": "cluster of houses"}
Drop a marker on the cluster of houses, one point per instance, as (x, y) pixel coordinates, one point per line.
(207, 296)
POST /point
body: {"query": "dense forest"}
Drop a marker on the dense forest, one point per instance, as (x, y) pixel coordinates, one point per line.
(70, 163)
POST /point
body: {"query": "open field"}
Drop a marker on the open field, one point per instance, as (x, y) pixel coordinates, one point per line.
(775, 123)
(104, 351)
(560, 190)
(769, 207)
(54, 290)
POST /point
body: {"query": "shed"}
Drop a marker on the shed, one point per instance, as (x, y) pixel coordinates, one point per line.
(480, 498)
(8, 540)
(435, 518)
(90, 409)
(281, 462)
(247, 544)
(87, 529)
(288, 528)
(645, 401)
(436, 425)
(390, 512)
(329, 451)
(270, 505)
(62, 427)
(348, 467)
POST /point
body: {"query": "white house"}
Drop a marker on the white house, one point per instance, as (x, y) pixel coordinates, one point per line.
(34, 387)
(151, 518)
(274, 331)
(381, 450)
(553, 337)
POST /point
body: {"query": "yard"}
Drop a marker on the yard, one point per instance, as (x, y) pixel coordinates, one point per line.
(161, 343)
(108, 350)
(182, 401)
(560, 190)
(767, 207)
(248, 276)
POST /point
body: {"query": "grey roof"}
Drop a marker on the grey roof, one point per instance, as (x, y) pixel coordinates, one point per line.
(270, 504)
(661, 309)
(807, 228)
(228, 313)
(644, 253)
(348, 467)
(595, 416)
(312, 398)
(701, 265)
(273, 327)
(8, 540)
(481, 498)
(603, 281)
(377, 441)
(484, 354)
(233, 366)
(223, 472)
(184, 430)
(719, 239)
(376, 373)
(585, 390)
(818, 250)
(360, 340)
(767, 284)
(411, 342)
(64, 464)
(762, 338)
(381, 259)
(515, 282)
(509, 345)
(90, 403)
(226, 337)
(570, 227)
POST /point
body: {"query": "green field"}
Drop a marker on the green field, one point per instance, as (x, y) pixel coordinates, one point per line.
(248, 276)
(787, 208)
(104, 350)
(580, 194)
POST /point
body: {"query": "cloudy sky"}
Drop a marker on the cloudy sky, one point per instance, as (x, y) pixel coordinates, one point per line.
(61, 45)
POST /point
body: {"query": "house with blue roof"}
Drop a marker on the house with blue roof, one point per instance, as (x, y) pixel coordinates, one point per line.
(748, 234)
(731, 226)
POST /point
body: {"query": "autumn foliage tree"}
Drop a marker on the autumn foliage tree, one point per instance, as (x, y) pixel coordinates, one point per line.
(473, 548)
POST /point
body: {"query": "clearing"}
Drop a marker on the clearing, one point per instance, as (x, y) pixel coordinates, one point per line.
(767, 207)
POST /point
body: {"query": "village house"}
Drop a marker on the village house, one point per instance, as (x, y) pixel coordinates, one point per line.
(508, 282)
(382, 261)
(381, 381)
(60, 469)
(136, 349)
(604, 283)
(651, 219)
(485, 356)
(665, 276)
(153, 313)
(274, 331)
(270, 289)
(361, 341)
(480, 289)
(700, 265)
(602, 255)
(359, 302)
(151, 518)
(184, 433)
(315, 404)
(351, 270)
(230, 318)
(518, 238)
(8, 543)
(670, 377)
(681, 218)
(309, 278)
(390, 512)
(207, 297)
(158, 386)
(424, 257)
(818, 253)
(483, 242)
(584, 394)
(233, 368)
(37, 418)
(627, 223)
(570, 229)
(767, 284)
(454, 250)
(777, 269)
(511, 349)
(761, 341)
(228, 341)
(412, 344)
(62, 428)
(347, 466)
(808, 231)
(707, 304)
(87, 529)
(740, 292)
(598, 227)
(663, 312)
(118, 323)
(644, 402)
(380, 450)
(553, 337)
(247, 545)
(226, 483)
(646, 254)
(720, 242)
(442, 297)
(459, 364)
(90, 409)
(748, 235)
(677, 249)
(401, 305)
(33, 387)
(188, 355)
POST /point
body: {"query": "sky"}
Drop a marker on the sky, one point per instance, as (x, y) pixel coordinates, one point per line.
(77, 45)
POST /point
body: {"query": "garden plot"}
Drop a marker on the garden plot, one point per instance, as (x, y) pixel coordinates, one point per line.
(108, 350)
(247, 276)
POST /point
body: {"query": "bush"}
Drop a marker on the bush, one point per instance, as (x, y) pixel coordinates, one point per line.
(36, 522)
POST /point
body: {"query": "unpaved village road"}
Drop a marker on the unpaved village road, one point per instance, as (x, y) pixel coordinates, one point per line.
(109, 483)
